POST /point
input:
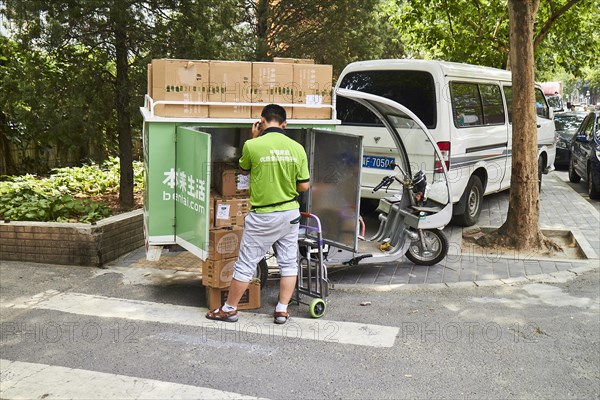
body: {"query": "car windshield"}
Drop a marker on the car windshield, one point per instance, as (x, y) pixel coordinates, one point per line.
(555, 102)
(568, 121)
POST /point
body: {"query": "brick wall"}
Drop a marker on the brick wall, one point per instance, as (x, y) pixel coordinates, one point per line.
(72, 244)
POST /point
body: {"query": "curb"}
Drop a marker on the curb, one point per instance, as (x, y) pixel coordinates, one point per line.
(554, 277)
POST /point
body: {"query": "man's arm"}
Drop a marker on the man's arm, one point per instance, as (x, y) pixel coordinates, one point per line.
(302, 186)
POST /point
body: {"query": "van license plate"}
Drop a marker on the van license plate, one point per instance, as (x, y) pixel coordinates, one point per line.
(377, 162)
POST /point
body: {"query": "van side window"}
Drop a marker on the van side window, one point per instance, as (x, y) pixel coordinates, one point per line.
(493, 108)
(541, 107)
(508, 95)
(466, 104)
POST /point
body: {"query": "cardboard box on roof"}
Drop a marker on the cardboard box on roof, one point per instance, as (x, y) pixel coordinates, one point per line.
(312, 86)
(215, 297)
(230, 81)
(272, 83)
(293, 60)
(180, 80)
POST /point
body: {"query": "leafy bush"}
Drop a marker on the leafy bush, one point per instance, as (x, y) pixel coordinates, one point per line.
(64, 196)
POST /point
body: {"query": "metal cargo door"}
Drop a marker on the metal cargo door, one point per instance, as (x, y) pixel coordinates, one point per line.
(335, 162)
(192, 190)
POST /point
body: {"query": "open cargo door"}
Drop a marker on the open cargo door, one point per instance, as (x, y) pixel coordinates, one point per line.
(418, 152)
(335, 162)
(192, 190)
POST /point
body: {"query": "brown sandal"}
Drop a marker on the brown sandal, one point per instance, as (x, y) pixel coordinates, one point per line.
(277, 315)
(220, 315)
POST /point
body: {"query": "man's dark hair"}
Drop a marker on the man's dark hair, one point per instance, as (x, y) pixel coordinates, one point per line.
(274, 112)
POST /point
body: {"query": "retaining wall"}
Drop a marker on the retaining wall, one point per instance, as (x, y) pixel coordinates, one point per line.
(72, 243)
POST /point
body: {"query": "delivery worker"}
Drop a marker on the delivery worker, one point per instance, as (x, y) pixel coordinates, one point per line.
(278, 169)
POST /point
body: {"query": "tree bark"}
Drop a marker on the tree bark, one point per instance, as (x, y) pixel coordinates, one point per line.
(119, 23)
(521, 229)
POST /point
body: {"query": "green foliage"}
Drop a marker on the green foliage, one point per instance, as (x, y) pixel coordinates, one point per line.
(63, 196)
(477, 32)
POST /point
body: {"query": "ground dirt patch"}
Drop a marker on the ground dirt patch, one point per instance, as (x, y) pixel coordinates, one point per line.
(564, 238)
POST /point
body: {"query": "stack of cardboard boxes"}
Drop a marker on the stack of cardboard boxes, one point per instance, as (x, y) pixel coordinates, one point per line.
(284, 81)
(228, 208)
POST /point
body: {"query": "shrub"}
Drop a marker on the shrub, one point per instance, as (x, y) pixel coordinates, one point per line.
(64, 196)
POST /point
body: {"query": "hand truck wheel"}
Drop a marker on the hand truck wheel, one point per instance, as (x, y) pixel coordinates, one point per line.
(317, 308)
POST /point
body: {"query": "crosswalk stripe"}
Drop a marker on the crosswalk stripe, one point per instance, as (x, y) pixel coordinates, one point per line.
(23, 380)
(249, 323)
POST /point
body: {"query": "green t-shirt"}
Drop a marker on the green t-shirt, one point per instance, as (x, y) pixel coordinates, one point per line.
(276, 163)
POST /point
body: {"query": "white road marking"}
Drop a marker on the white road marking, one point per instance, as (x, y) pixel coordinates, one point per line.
(249, 323)
(23, 380)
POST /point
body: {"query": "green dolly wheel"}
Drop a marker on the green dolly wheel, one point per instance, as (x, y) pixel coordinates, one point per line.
(317, 308)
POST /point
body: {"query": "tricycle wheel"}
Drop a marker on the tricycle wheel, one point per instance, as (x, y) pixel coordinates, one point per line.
(317, 308)
(437, 248)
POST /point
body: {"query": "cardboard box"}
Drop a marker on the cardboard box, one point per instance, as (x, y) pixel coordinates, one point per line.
(180, 80)
(228, 180)
(215, 297)
(230, 81)
(231, 211)
(272, 83)
(218, 274)
(312, 86)
(224, 242)
(293, 60)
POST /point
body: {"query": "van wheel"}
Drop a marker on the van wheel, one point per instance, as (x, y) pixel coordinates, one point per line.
(473, 197)
(573, 177)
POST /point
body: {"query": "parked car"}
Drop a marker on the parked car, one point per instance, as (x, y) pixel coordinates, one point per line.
(585, 154)
(566, 124)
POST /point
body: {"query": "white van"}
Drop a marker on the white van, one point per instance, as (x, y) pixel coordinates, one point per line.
(467, 109)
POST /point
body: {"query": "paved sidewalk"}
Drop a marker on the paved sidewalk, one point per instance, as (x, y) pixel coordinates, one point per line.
(561, 208)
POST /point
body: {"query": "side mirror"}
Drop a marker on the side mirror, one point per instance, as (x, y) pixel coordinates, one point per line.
(581, 139)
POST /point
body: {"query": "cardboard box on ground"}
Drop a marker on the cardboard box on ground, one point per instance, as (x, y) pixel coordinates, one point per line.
(180, 80)
(228, 180)
(215, 297)
(224, 242)
(218, 274)
(230, 211)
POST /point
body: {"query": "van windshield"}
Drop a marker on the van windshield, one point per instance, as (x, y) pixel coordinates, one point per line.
(413, 89)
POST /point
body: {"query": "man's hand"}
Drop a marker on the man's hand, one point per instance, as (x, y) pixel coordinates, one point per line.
(256, 130)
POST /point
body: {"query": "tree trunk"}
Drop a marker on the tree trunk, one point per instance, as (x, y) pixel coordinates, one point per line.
(119, 21)
(262, 27)
(521, 230)
(7, 165)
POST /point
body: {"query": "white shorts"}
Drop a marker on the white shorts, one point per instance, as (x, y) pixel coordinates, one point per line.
(277, 229)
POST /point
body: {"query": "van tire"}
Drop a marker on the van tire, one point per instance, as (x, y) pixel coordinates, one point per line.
(471, 203)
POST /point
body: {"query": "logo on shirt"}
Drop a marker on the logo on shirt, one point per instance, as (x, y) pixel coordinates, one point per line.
(279, 156)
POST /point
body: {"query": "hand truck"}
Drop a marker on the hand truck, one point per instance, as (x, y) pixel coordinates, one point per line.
(312, 271)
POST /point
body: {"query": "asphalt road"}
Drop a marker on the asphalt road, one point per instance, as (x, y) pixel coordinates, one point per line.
(130, 333)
